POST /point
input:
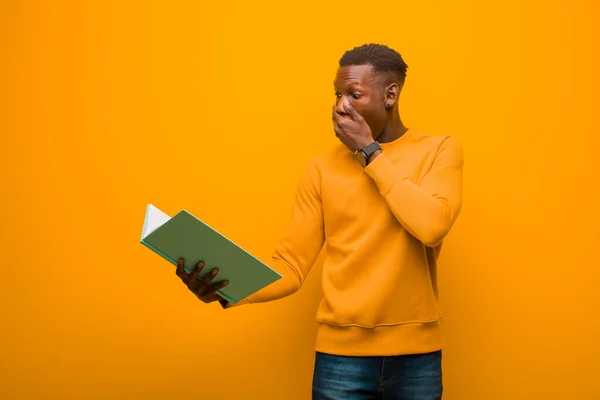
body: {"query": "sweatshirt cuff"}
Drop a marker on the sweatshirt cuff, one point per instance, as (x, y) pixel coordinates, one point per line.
(384, 173)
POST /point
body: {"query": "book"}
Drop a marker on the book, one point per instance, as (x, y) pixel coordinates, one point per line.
(185, 236)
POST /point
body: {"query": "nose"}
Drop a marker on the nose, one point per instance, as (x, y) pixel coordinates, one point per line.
(339, 105)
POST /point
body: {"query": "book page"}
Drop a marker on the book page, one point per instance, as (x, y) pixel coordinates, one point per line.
(154, 219)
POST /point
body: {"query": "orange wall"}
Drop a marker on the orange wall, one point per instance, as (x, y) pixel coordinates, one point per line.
(109, 105)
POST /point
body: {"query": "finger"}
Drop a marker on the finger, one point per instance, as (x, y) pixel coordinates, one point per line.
(352, 112)
(211, 291)
(337, 115)
(196, 271)
(339, 128)
(205, 282)
(336, 118)
(179, 270)
(193, 283)
(338, 131)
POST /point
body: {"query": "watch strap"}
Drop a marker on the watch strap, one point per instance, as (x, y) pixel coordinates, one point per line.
(369, 150)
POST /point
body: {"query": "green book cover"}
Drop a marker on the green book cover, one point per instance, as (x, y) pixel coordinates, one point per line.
(185, 236)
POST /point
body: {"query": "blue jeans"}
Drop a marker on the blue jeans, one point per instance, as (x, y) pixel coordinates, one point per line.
(405, 377)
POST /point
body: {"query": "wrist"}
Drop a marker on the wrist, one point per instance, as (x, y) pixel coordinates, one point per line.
(363, 144)
(368, 153)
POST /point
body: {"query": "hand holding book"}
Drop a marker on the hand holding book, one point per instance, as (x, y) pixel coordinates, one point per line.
(204, 288)
(185, 237)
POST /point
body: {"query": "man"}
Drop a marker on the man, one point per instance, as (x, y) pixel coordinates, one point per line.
(382, 201)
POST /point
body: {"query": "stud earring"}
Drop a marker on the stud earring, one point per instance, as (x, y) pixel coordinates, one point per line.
(387, 105)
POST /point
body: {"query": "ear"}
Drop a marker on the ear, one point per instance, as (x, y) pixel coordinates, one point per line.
(392, 93)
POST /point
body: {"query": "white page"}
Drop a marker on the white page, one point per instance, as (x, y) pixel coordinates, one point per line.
(154, 219)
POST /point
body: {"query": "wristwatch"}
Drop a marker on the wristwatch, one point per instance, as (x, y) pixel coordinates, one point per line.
(362, 156)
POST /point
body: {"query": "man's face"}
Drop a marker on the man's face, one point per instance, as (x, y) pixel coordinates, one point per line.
(358, 85)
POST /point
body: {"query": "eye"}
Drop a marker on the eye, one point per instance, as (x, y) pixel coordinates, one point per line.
(355, 95)
(338, 95)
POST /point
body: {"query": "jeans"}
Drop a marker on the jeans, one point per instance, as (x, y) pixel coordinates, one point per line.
(405, 377)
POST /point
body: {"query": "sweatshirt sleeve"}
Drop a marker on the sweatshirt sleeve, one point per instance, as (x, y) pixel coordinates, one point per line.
(427, 211)
(300, 245)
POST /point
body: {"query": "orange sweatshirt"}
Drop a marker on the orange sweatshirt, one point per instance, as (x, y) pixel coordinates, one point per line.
(382, 227)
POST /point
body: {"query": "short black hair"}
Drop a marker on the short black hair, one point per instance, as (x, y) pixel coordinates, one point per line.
(381, 57)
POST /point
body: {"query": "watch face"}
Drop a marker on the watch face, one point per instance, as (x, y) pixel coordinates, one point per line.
(360, 158)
